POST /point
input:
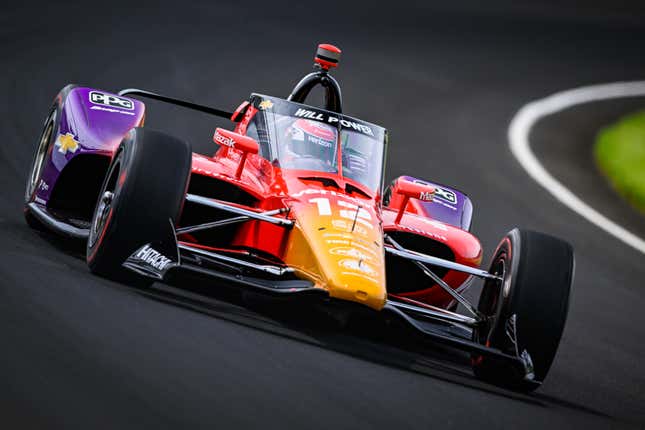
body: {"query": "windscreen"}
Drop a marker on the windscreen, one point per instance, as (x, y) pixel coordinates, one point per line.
(296, 136)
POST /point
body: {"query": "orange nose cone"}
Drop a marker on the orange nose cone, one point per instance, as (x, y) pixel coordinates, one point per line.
(342, 256)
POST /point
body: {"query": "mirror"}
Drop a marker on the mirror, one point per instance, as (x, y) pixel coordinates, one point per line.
(234, 140)
(230, 139)
(411, 190)
(414, 190)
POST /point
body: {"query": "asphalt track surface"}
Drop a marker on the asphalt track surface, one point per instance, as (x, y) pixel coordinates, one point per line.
(82, 352)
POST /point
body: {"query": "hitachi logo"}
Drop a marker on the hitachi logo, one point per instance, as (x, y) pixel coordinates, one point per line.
(153, 258)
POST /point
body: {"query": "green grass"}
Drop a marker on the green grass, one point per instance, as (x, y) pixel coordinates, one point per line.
(620, 153)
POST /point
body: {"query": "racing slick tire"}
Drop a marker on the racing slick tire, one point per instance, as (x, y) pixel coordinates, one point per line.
(527, 310)
(143, 191)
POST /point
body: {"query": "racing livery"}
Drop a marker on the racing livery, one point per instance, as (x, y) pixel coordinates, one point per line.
(293, 203)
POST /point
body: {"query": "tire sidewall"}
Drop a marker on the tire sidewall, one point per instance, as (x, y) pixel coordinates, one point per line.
(54, 116)
(32, 189)
(94, 249)
(149, 191)
(506, 257)
(536, 287)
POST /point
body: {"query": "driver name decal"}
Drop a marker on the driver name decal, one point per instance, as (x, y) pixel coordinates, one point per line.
(330, 119)
(304, 113)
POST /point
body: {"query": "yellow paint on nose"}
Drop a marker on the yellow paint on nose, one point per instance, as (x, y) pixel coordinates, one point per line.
(361, 295)
(339, 254)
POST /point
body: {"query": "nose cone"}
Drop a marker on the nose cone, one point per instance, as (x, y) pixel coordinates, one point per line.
(337, 243)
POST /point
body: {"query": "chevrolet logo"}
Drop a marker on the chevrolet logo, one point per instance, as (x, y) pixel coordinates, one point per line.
(265, 104)
(66, 143)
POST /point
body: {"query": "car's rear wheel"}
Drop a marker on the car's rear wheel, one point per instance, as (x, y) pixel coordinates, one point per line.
(527, 310)
(143, 192)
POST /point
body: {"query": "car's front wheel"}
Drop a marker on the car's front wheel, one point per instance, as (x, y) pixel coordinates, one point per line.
(527, 310)
(45, 142)
(142, 193)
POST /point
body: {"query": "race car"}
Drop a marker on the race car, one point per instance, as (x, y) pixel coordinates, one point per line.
(293, 203)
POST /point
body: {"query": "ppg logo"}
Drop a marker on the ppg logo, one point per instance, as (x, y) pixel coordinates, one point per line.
(439, 192)
(110, 100)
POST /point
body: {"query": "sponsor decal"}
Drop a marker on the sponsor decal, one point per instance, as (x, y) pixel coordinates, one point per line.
(105, 109)
(353, 241)
(353, 212)
(426, 196)
(341, 235)
(223, 140)
(425, 233)
(357, 265)
(151, 257)
(343, 225)
(337, 242)
(110, 100)
(265, 104)
(350, 252)
(309, 191)
(442, 193)
(318, 141)
(346, 235)
(365, 248)
(39, 200)
(334, 120)
(66, 143)
(436, 224)
(42, 185)
(446, 195)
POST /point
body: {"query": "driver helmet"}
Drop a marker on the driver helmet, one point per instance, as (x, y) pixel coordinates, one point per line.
(308, 138)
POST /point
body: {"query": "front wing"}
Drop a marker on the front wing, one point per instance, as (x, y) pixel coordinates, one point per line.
(169, 258)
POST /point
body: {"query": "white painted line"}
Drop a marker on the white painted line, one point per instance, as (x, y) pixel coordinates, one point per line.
(530, 114)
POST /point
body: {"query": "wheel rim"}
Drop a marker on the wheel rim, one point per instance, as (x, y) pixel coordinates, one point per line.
(41, 152)
(491, 300)
(104, 205)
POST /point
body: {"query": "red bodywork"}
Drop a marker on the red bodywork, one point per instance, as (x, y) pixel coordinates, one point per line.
(269, 188)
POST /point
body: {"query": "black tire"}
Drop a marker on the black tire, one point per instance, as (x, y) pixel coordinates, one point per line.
(144, 188)
(43, 151)
(537, 272)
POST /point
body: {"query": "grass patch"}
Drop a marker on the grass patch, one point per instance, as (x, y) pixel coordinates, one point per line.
(619, 151)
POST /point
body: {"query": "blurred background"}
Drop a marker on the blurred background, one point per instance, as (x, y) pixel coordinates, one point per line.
(444, 78)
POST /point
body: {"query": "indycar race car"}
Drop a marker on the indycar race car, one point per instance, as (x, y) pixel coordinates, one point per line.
(293, 203)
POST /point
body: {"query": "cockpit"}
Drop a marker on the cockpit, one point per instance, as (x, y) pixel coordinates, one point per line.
(296, 136)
